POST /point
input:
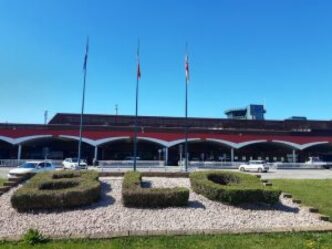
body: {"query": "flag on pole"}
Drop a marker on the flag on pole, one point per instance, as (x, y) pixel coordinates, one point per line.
(138, 66)
(86, 54)
(138, 70)
(186, 66)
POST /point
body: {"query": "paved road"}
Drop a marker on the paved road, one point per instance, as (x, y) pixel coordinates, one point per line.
(272, 174)
(298, 174)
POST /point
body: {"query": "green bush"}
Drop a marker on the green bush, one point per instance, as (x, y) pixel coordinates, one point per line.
(148, 174)
(232, 188)
(33, 236)
(57, 190)
(66, 174)
(133, 195)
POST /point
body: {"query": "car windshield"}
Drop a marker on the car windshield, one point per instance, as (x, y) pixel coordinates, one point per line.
(29, 165)
(256, 162)
(75, 160)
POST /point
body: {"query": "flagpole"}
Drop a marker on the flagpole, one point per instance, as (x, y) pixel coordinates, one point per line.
(83, 101)
(186, 109)
(136, 106)
(186, 128)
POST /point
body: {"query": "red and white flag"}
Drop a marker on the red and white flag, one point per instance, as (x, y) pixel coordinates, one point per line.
(138, 69)
(186, 66)
(138, 64)
(86, 54)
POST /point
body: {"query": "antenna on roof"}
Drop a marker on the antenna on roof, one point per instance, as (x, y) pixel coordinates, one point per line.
(116, 109)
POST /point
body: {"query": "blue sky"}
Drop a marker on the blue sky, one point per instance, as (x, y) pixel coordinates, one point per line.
(277, 53)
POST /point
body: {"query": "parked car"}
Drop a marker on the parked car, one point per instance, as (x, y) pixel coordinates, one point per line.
(31, 167)
(316, 161)
(254, 165)
(72, 163)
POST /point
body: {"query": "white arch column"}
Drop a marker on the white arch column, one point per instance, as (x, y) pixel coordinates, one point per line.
(232, 154)
(19, 152)
(95, 158)
(166, 155)
(294, 155)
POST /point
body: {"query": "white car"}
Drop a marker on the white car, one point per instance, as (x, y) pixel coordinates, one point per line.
(316, 161)
(31, 167)
(72, 163)
(255, 165)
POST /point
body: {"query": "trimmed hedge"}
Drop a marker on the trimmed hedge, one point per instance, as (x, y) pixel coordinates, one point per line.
(149, 174)
(133, 195)
(232, 188)
(57, 190)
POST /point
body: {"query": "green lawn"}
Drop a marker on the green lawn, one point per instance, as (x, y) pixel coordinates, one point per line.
(2, 180)
(315, 193)
(254, 241)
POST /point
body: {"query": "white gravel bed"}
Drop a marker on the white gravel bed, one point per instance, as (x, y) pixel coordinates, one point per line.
(109, 216)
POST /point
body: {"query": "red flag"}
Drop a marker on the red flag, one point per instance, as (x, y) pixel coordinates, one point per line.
(138, 70)
(186, 66)
(86, 54)
(138, 63)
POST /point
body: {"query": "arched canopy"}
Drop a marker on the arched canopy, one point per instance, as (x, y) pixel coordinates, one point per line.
(154, 140)
(182, 140)
(235, 145)
(21, 140)
(85, 140)
(300, 146)
(223, 142)
(7, 139)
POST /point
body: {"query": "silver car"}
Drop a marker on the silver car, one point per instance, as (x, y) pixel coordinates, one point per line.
(31, 167)
(255, 165)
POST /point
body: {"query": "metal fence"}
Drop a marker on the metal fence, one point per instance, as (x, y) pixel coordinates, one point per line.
(15, 162)
(129, 163)
(301, 165)
(214, 164)
(161, 164)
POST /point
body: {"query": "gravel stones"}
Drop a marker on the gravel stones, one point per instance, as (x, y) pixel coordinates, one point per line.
(109, 217)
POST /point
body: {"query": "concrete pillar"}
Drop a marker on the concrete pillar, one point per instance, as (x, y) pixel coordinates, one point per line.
(294, 156)
(232, 154)
(181, 152)
(166, 155)
(19, 152)
(96, 153)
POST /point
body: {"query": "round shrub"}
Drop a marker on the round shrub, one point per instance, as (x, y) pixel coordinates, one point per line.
(232, 188)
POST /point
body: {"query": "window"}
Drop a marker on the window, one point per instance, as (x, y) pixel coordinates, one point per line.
(41, 165)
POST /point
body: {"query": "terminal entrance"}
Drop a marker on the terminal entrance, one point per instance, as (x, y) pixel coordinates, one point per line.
(123, 150)
(7, 150)
(199, 151)
(58, 148)
(55, 148)
(323, 151)
(270, 152)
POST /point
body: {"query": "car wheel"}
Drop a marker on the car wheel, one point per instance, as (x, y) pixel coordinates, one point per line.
(259, 170)
(242, 169)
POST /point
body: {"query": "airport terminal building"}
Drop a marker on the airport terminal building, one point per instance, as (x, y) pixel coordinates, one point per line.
(110, 137)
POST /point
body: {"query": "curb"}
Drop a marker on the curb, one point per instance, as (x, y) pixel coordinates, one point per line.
(179, 232)
(310, 209)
